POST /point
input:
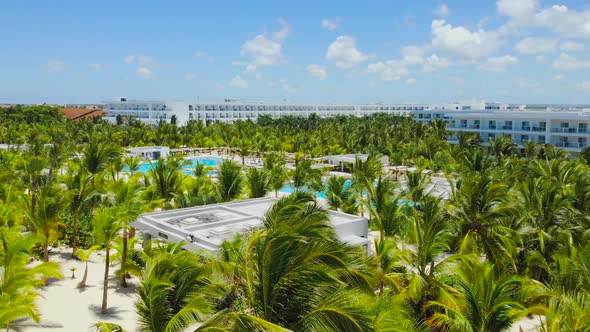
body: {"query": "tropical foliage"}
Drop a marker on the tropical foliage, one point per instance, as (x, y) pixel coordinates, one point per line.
(505, 242)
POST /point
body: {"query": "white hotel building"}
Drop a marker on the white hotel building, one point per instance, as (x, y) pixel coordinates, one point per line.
(231, 110)
(565, 128)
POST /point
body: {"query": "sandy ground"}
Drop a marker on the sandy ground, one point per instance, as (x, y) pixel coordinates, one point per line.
(64, 307)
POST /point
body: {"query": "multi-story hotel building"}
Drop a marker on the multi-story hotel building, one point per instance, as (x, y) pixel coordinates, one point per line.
(566, 128)
(232, 110)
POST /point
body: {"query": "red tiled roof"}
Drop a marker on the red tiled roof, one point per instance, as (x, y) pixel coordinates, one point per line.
(81, 113)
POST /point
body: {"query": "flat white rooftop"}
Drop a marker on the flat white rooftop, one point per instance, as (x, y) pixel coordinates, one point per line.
(206, 227)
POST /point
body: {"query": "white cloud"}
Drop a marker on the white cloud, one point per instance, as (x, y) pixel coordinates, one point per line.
(220, 86)
(571, 46)
(344, 54)
(331, 24)
(200, 54)
(442, 10)
(561, 19)
(499, 64)
(558, 77)
(568, 62)
(456, 80)
(211, 59)
(584, 85)
(189, 76)
(264, 51)
(55, 65)
(145, 65)
(410, 81)
(434, 63)
(144, 72)
(540, 58)
(412, 55)
(317, 71)
(96, 66)
(284, 32)
(516, 8)
(391, 70)
(238, 82)
(463, 42)
(532, 45)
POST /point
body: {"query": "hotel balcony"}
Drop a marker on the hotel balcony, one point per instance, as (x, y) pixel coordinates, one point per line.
(570, 130)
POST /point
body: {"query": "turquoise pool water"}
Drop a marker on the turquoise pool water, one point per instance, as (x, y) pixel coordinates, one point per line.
(288, 189)
(188, 169)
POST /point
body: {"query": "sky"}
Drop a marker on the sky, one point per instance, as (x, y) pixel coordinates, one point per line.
(521, 51)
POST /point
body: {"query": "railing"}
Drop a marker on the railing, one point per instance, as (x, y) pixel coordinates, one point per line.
(492, 127)
(473, 126)
(525, 128)
(569, 144)
(539, 128)
(506, 127)
(565, 130)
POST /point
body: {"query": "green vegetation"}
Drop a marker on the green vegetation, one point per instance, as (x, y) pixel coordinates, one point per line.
(510, 242)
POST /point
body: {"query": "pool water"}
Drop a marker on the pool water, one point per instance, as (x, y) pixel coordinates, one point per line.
(288, 189)
(188, 169)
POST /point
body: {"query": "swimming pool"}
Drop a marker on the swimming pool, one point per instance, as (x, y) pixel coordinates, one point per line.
(188, 168)
(288, 188)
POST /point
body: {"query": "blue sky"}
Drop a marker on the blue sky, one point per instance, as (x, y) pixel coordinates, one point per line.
(526, 51)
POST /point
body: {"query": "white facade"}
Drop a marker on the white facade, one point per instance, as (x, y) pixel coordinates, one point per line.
(206, 227)
(231, 110)
(149, 152)
(566, 129)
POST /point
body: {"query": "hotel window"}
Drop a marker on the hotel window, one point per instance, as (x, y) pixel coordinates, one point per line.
(190, 107)
(583, 127)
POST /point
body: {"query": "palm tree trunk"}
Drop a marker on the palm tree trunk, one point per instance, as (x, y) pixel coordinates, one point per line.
(105, 284)
(124, 258)
(75, 234)
(46, 250)
(82, 283)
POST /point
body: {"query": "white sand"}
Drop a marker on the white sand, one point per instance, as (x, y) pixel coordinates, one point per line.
(64, 307)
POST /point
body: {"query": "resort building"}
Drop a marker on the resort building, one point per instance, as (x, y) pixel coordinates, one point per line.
(566, 129)
(231, 110)
(206, 227)
(149, 152)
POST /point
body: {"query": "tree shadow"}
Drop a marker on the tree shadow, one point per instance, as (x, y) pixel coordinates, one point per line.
(24, 324)
(111, 313)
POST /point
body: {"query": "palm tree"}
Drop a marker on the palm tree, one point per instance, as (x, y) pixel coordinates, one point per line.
(97, 154)
(257, 182)
(199, 191)
(295, 273)
(130, 201)
(364, 173)
(176, 290)
(305, 175)
(391, 264)
(84, 256)
(78, 184)
(485, 301)
(18, 281)
(133, 163)
(230, 180)
(107, 227)
(339, 193)
(52, 202)
(274, 164)
(481, 207)
(167, 178)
